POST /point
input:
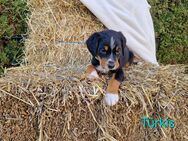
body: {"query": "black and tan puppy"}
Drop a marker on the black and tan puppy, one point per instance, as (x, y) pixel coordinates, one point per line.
(109, 55)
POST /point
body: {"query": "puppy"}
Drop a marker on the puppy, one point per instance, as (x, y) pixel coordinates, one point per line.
(109, 55)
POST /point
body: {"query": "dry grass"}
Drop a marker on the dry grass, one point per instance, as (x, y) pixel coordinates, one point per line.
(49, 100)
(53, 21)
(55, 103)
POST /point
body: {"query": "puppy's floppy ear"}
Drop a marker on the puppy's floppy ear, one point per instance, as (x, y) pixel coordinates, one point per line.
(127, 54)
(92, 43)
(123, 42)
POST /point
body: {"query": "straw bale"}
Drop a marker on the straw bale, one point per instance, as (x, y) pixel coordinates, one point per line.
(49, 99)
(53, 21)
(48, 102)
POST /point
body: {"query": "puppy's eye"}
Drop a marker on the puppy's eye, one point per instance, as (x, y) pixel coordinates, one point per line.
(103, 51)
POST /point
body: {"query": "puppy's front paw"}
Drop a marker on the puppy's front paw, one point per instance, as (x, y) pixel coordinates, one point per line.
(93, 75)
(111, 99)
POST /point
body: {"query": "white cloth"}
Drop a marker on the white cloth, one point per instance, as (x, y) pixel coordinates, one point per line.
(133, 19)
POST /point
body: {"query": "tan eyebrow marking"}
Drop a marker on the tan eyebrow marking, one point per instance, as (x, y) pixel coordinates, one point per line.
(117, 49)
(106, 48)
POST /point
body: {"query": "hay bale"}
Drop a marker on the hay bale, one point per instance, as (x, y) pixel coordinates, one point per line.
(49, 100)
(53, 21)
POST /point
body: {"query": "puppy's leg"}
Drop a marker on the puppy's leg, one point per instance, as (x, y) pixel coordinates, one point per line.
(112, 97)
(130, 60)
(91, 72)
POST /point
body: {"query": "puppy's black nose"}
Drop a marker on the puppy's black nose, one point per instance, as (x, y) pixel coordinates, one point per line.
(111, 64)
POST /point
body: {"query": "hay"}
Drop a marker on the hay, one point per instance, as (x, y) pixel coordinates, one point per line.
(53, 21)
(49, 100)
(55, 103)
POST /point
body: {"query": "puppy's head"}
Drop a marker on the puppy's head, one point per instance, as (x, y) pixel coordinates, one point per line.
(108, 47)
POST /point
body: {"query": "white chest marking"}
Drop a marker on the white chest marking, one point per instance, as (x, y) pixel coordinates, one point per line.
(102, 69)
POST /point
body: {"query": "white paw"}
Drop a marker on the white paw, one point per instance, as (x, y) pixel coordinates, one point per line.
(111, 99)
(93, 75)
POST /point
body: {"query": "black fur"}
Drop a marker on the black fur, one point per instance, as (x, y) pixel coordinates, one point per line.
(95, 62)
(92, 43)
(119, 75)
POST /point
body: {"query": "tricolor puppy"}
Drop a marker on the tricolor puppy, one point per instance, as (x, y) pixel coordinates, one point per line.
(109, 55)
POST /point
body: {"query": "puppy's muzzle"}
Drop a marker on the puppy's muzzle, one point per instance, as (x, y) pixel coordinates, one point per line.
(111, 64)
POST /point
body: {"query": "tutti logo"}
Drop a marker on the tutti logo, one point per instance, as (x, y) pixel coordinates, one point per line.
(154, 123)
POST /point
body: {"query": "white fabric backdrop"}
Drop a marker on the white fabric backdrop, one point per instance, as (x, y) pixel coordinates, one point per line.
(133, 19)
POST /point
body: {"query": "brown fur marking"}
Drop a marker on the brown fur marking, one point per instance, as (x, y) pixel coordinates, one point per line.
(103, 62)
(90, 68)
(113, 86)
(127, 65)
(116, 64)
